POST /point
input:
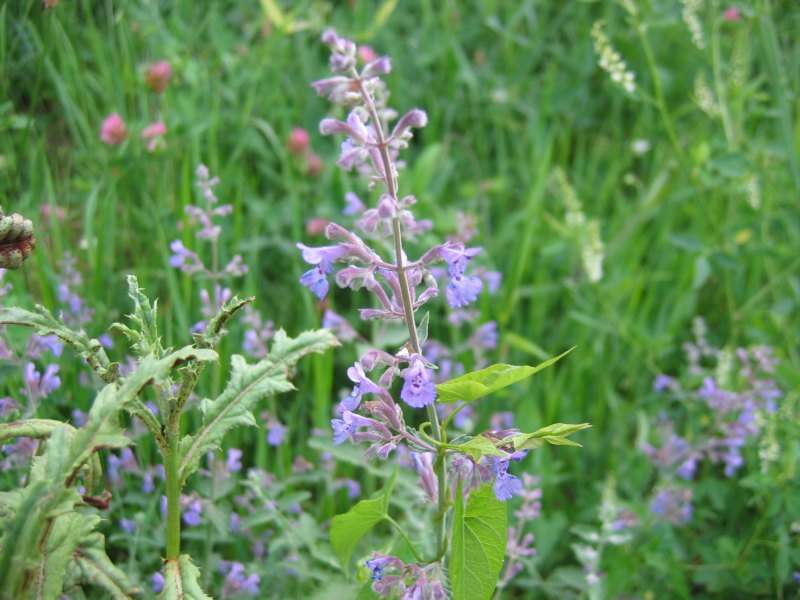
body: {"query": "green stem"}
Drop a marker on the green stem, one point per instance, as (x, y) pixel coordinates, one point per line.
(659, 92)
(173, 483)
(405, 537)
(408, 308)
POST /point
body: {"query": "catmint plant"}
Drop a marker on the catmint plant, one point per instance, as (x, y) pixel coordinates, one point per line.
(393, 405)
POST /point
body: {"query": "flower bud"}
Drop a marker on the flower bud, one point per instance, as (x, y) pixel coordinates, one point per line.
(298, 141)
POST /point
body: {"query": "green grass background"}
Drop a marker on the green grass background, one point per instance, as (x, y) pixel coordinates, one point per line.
(512, 90)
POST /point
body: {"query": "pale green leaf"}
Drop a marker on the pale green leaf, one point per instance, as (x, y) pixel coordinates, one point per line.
(65, 534)
(91, 565)
(478, 447)
(288, 351)
(472, 386)
(347, 529)
(555, 434)
(480, 534)
(143, 336)
(91, 350)
(247, 385)
(33, 428)
(181, 580)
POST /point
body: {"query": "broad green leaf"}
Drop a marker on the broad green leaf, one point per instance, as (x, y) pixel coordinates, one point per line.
(91, 565)
(347, 529)
(478, 447)
(472, 386)
(91, 350)
(181, 580)
(247, 385)
(480, 534)
(555, 434)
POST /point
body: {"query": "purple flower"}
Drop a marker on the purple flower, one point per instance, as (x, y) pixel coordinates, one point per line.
(457, 256)
(485, 337)
(39, 344)
(237, 582)
(663, 382)
(316, 281)
(127, 525)
(418, 389)
(157, 582)
(505, 484)
(674, 505)
(353, 204)
(347, 428)
(378, 563)
(233, 462)
(363, 385)
(463, 290)
(7, 406)
(79, 417)
(339, 326)
(276, 433)
(192, 507)
(184, 259)
(38, 385)
(235, 522)
(688, 467)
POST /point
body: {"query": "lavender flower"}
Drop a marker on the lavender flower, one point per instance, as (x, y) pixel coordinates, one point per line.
(157, 582)
(237, 582)
(276, 433)
(233, 462)
(505, 485)
(673, 505)
(418, 389)
(39, 385)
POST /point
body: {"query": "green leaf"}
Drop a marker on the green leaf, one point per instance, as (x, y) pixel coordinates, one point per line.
(180, 580)
(288, 351)
(247, 385)
(143, 336)
(472, 386)
(92, 565)
(478, 447)
(90, 349)
(555, 434)
(215, 329)
(480, 534)
(347, 529)
(65, 534)
(33, 428)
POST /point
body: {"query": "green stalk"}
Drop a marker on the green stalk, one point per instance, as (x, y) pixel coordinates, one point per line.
(173, 483)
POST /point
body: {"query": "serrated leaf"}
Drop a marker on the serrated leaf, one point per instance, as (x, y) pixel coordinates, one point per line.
(143, 336)
(347, 529)
(247, 385)
(478, 447)
(480, 534)
(43, 322)
(65, 534)
(555, 434)
(288, 350)
(477, 384)
(215, 328)
(181, 580)
(91, 565)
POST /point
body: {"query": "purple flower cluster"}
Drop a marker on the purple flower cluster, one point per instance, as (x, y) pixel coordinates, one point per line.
(731, 401)
(208, 229)
(391, 577)
(237, 582)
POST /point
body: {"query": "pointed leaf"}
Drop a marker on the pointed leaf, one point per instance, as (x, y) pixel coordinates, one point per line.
(347, 529)
(555, 434)
(472, 386)
(480, 534)
(478, 447)
(181, 580)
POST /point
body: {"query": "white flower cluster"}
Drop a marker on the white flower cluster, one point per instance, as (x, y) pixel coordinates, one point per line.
(611, 61)
(586, 232)
(691, 10)
(704, 96)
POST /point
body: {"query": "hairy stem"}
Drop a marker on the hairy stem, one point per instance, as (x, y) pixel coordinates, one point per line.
(173, 484)
(408, 308)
